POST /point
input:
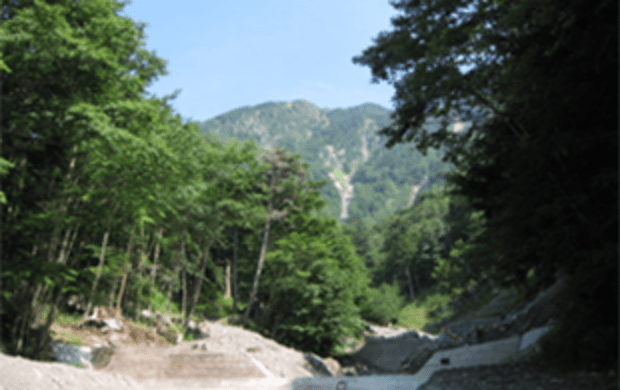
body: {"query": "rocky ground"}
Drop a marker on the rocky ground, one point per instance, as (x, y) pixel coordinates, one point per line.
(119, 368)
(281, 361)
(509, 317)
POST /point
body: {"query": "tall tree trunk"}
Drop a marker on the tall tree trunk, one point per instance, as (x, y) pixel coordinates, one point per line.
(112, 292)
(227, 288)
(65, 250)
(160, 233)
(235, 293)
(183, 280)
(174, 274)
(53, 243)
(261, 261)
(124, 280)
(25, 318)
(170, 287)
(411, 294)
(183, 294)
(98, 274)
(139, 274)
(30, 312)
(198, 284)
(43, 336)
(100, 265)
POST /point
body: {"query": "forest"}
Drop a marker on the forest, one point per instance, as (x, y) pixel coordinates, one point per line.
(344, 141)
(106, 191)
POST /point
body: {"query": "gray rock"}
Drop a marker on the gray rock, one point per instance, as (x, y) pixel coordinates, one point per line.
(317, 364)
(523, 318)
(146, 315)
(101, 356)
(71, 354)
(163, 319)
(332, 365)
(113, 324)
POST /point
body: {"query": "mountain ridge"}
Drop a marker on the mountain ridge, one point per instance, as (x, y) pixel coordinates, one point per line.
(341, 145)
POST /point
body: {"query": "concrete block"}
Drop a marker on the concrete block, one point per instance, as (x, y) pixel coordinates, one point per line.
(532, 337)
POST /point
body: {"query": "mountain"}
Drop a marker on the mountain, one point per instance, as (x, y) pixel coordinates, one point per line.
(366, 180)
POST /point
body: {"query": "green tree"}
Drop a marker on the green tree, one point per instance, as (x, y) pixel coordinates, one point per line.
(413, 242)
(285, 185)
(539, 156)
(459, 262)
(102, 166)
(319, 286)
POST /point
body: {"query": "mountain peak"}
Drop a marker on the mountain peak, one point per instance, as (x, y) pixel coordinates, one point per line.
(341, 146)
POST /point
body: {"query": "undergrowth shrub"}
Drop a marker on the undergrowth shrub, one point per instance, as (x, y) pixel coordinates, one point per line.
(383, 304)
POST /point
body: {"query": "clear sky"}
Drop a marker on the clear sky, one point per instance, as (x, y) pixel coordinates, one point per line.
(226, 54)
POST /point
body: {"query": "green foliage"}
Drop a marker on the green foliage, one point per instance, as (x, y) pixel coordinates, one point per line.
(538, 156)
(412, 241)
(4, 167)
(158, 301)
(86, 153)
(416, 315)
(382, 304)
(320, 279)
(382, 180)
(219, 307)
(463, 262)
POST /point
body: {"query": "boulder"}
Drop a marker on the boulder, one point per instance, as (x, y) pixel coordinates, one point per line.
(333, 366)
(71, 354)
(163, 320)
(146, 315)
(101, 356)
(318, 365)
(113, 324)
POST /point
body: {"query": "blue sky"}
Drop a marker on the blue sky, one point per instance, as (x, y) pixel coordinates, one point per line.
(227, 54)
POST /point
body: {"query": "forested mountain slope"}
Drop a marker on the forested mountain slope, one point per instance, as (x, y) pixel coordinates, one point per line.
(366, 181)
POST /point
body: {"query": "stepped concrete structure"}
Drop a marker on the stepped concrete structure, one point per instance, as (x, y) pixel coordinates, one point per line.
(190, 365)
